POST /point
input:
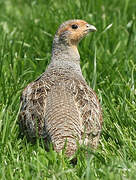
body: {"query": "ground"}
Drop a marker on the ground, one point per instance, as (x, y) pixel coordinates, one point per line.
(108, 61)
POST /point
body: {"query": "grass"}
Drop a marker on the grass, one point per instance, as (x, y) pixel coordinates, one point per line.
(108, 61)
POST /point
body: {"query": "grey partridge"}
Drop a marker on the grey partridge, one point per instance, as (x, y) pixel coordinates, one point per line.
(59, 106)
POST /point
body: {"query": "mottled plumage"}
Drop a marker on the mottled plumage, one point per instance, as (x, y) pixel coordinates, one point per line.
(59, 106)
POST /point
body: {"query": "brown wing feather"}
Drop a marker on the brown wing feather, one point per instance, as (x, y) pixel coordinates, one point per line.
(33, 106)
(89, 110)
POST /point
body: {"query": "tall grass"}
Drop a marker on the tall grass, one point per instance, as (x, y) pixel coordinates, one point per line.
(108, 61)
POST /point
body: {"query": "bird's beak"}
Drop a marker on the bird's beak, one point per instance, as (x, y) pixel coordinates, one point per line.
(91, 28)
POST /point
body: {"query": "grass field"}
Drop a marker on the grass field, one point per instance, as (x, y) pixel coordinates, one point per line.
(108, 61)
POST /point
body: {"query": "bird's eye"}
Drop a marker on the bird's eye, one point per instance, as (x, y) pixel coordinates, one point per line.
(74, 26)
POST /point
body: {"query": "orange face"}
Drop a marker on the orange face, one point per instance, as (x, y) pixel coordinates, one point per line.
(74, 30)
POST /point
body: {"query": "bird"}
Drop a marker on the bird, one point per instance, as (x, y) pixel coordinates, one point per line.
(59, 106)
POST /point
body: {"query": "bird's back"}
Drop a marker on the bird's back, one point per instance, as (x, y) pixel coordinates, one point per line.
(60, 107)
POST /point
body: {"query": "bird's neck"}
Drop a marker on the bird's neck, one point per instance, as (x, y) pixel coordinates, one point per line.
(65, 52)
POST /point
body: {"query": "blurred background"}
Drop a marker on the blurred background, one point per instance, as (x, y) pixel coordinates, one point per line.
(108, 62)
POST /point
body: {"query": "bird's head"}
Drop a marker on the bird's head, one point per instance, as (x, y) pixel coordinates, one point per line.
(72, 31)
